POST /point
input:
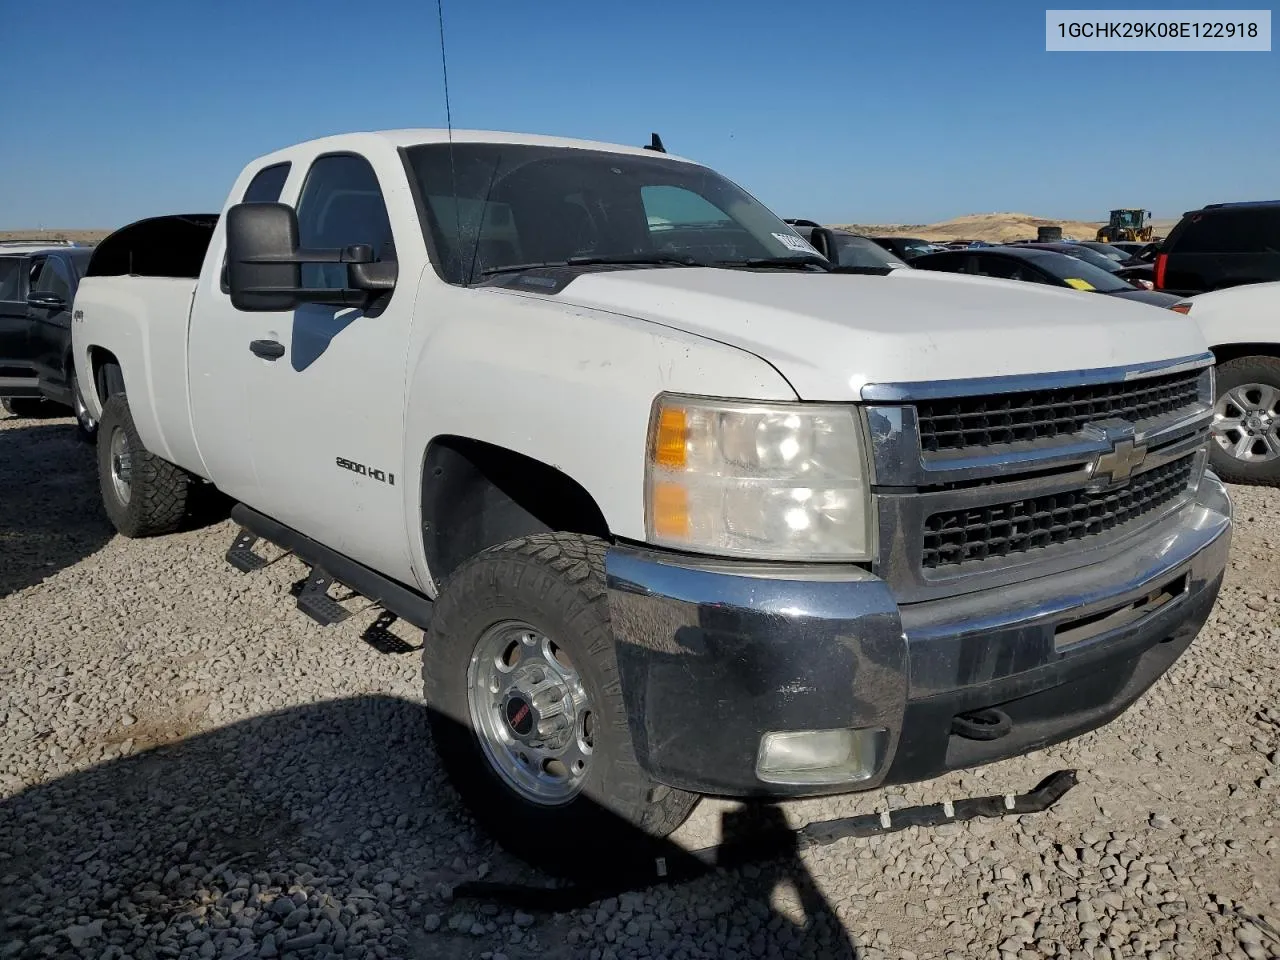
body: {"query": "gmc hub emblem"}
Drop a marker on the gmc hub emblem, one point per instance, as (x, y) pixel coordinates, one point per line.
(1116, 465)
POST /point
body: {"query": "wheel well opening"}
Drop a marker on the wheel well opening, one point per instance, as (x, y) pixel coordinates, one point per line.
(477, 495)
(107, 376)
(1234, 351)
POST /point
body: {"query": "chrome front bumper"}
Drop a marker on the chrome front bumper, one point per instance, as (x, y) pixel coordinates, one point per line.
(713, 654)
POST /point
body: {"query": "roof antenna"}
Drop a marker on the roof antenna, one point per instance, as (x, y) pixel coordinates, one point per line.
(448, 113)
(655, 143)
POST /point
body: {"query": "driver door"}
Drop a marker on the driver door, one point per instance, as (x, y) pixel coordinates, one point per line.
(327, 424)
(49, 318)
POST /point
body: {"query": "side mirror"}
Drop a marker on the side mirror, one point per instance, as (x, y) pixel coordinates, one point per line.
(46, 301)
(264, 263)
(263, 272)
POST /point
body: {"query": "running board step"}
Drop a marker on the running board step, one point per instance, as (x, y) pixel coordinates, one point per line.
(404, 601)
(379, 636)
(240, 554)
(315, 602)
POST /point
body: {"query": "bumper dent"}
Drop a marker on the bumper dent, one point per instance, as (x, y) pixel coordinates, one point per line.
(713, 654)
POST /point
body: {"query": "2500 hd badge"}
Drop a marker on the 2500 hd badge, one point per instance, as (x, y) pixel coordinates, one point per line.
(373, 472)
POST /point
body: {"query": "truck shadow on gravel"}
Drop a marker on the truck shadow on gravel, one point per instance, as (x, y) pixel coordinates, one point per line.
(50, 509)
(329, 830)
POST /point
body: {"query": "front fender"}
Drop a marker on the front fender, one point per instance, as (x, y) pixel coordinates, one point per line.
(569, 386)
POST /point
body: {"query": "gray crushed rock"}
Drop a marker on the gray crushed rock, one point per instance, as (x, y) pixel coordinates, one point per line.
(192, 769)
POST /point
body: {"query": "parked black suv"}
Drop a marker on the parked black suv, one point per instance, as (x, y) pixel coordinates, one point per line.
(37, 287)
(1221, 245)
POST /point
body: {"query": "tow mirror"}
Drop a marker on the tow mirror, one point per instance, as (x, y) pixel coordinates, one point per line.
(264, 263)
(262, 245)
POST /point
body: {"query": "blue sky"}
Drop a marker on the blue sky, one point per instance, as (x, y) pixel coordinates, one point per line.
(849, 111)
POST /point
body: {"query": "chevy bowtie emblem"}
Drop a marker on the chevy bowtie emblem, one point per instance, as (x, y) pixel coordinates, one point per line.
(1116, 465)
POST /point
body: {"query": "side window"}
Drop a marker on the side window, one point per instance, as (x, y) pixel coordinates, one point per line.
(341, 204)
(1001, 268)
(267, 183)
(1230, 231)
(53, 279)
(11, 278)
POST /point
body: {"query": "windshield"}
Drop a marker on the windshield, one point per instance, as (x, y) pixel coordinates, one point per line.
(1085, 275)
(1108, 251)
(1089, 255)
(915, 248)
(492, 206)
(854, 251)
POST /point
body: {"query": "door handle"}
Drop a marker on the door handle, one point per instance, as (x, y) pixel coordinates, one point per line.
(267, 349)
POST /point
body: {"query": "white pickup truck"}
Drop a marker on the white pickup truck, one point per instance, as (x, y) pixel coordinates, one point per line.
(682, 508)
(1241, 324)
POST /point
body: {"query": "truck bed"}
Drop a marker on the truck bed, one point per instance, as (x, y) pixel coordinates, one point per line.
(145, 320)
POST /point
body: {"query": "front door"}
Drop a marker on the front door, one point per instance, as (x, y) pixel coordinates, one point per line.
(49, 313)
(327, 425)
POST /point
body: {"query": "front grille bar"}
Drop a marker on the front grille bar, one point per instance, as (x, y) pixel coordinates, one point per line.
(955, 538)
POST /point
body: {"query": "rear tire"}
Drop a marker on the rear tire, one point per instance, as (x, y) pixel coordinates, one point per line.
(143, 495)
(550, 586)
(1245, 447)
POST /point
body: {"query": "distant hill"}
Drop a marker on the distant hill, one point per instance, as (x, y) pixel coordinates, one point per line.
(80, 236)
(992, 227)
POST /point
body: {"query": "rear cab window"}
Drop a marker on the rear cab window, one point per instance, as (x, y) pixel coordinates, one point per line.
(267, 184)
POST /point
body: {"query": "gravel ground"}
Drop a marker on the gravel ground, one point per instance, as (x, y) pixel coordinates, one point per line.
(190, 768)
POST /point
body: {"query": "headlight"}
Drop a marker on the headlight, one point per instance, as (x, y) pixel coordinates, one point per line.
(770, 481)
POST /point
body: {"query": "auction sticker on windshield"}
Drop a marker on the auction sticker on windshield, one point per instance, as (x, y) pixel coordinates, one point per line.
(1079, 284)
(795, 243)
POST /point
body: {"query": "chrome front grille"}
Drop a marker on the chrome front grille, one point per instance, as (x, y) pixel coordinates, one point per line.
(984, 482)
(953, 538)
(959, 423)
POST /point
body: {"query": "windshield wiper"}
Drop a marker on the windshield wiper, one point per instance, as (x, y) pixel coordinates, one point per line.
(626, 259)
(788, 262)
(874, 271)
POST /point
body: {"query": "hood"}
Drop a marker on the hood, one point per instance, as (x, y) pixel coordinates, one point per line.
(832, 334)
(1154, 297)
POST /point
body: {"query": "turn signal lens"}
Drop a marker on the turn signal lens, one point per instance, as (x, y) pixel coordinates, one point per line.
(670, 446)
(1181, 307)
(671, 510)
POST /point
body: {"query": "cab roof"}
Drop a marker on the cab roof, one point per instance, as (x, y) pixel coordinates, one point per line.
(412, 136)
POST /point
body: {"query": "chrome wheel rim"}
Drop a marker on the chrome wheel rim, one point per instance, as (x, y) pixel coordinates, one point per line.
(1246, 422)
(530, 710)
(121, 465)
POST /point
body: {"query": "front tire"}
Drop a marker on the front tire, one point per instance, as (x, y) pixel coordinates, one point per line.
(1245, 447)
(527, 712)
(143, 495)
